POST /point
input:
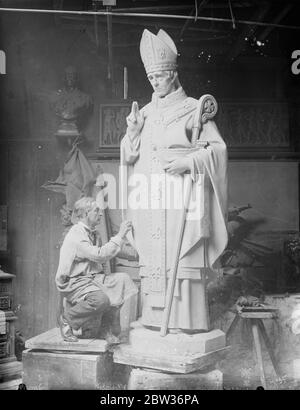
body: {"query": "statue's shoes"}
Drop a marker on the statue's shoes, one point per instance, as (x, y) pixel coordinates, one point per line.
(175, 331)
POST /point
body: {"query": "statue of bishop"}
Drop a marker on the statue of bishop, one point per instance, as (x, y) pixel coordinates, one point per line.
(158, 157)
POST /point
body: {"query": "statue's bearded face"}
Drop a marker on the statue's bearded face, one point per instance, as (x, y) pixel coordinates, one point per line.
(163, 82)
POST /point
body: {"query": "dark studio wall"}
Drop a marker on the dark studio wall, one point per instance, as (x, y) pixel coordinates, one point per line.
(37, 52)
(38, 48)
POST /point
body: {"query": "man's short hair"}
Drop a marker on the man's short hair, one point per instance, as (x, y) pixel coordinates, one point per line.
(81, 207)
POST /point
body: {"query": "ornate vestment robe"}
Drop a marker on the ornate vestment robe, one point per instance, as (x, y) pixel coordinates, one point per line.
(152, 205)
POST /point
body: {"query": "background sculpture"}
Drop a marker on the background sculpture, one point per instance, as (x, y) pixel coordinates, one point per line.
(71, 105)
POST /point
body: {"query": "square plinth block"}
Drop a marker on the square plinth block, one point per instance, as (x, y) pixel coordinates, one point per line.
(178, 353)
(142, 379)
(44, 370)
(145, 340)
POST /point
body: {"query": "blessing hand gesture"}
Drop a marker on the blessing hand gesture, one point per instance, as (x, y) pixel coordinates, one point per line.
(135, 121)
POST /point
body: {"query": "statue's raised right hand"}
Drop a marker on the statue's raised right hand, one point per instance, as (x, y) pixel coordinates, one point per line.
(135, 121)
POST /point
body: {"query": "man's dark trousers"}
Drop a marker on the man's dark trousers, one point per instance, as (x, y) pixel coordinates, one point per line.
(94, 305)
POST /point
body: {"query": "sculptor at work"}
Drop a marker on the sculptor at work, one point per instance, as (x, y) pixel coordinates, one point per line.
(80, 278)
(158, 143)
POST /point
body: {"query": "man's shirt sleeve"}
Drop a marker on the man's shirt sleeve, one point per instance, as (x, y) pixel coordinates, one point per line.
(99, 254)
(66, 259)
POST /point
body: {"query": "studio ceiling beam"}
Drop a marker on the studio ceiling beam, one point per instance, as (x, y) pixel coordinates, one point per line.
(276, 20)
(141, 22)
(193, 11)
(212, 5)
(247, 31)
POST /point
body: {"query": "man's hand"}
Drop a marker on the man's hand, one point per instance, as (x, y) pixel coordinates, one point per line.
(178, 166)
(63, 279)
(125, 227)
(135, 121)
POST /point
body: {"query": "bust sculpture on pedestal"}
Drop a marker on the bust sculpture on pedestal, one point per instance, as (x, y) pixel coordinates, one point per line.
(71, 105)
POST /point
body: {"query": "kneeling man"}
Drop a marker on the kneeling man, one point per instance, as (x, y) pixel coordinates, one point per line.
(80, 278)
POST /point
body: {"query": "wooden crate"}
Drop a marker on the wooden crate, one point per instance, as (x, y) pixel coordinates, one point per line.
(44, 370)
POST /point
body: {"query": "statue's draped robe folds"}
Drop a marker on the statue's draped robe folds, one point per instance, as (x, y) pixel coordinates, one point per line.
(156, 221)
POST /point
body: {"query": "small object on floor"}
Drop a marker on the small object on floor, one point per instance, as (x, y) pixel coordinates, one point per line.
(66, 330)
(22, 386)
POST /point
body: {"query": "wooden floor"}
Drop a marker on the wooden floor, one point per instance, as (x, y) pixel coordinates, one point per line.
(11, 384)
(52, 340)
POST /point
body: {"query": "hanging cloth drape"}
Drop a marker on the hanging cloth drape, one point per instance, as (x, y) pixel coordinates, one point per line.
(76, 179)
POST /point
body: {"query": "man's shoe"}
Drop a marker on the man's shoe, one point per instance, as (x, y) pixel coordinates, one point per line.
(66, 330)
(77, 332)
(112, 339)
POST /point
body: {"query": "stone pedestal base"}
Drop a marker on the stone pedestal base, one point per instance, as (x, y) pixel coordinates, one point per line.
(176, 353)
(44, 370)
(144, 340)
(142, 379)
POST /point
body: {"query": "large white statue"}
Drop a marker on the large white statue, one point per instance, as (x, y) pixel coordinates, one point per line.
(161, 160)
